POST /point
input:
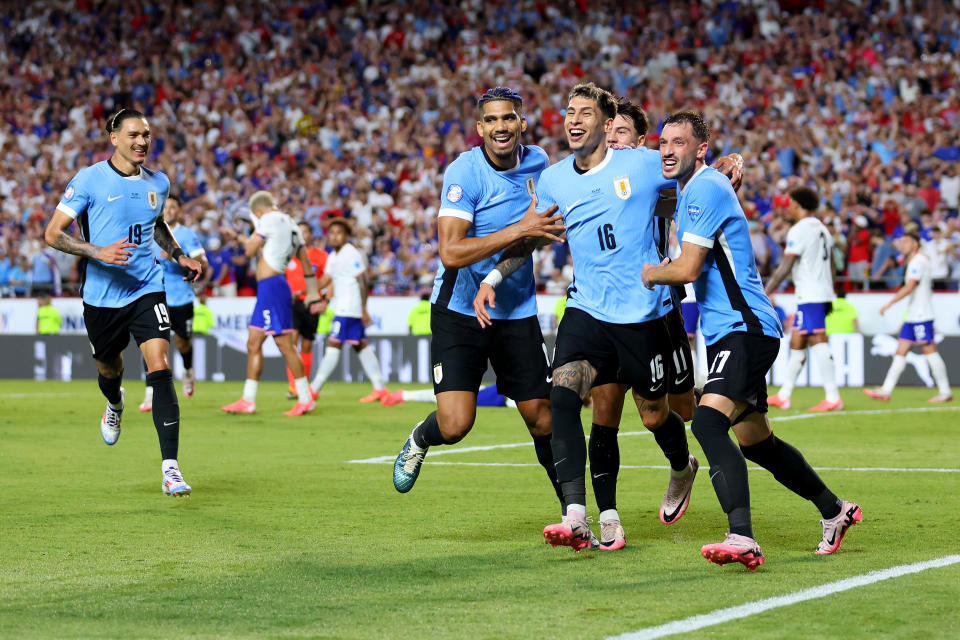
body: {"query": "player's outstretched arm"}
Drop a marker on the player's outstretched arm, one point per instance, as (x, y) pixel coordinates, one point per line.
(786, 266)
(57, 237)
(684, 269)
(457, 250)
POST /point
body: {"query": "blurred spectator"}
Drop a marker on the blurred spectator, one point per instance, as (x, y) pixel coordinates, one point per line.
(203, 320)
(938, 249)
(419, 317)
(843, 316)
(885, 272)
(20, 277)
(858, 251)
(48, 318)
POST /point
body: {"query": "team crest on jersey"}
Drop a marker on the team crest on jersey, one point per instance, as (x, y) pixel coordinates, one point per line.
(68, 193)
(437, 373)
(694, 211)
(622, 187)
(152, 199)
(454, 193)
(531, 187)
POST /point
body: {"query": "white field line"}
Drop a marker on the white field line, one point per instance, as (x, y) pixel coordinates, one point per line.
(624, 434)
(719, 616)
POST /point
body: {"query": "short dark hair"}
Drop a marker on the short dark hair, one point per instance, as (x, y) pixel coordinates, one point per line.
(343, 223)
(115, 121)
(604, 99)
(634, 112)
(700, 130)
(500, 93)
(174, 196)
(806, 198)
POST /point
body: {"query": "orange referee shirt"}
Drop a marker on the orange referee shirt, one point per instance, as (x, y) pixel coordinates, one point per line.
(294, 272)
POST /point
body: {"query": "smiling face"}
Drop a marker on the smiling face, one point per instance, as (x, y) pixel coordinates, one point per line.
(585, 125)
(680, 151)
(132, 142)
(624, 133)
(171, 211)
(500, 126)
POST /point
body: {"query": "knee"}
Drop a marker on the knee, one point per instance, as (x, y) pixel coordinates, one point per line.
(455, 425)
(685, 405)
(538, 420)
(709, 422)
(655, 415)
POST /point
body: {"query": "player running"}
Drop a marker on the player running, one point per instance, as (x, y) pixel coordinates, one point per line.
(180, 294)
(742, 333)
(117, 205)
(485, 192)
(809, 261)
(918, 321)
(279, 238)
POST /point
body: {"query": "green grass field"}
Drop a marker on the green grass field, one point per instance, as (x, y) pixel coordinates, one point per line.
(284, 538)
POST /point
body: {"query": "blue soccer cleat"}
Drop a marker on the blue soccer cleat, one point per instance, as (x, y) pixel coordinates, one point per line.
(407, 466)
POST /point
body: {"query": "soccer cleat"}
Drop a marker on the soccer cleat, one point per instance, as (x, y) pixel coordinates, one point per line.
(677, 498)
(189, 383)
(392, 399)
(941, 397)
(375, 395)
(826, 405)
(292, 394)
(612, 536)
(173, 484)
(110, 422)
(300, 408)
(573, 532)
(240, 406)
(877, 394)
(146, 406)
(776, 401)
(735, 548)
(835, 528)
(407, 466)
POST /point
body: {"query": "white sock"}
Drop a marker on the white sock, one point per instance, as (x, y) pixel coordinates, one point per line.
(606, 516)
(893, 374)
(797, 358)
(303, 390)
(939, 370)
(331, 356)
(823, 357)
(250, 390)
(148, 396)
(419, 395)
(371, 367)
(170, 462)
(698, 379)
(578, 511)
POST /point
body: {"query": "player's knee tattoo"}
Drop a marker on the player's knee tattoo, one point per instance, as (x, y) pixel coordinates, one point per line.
(577, 376)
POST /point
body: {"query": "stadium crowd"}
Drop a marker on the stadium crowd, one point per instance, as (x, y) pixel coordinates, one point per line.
(354, 109)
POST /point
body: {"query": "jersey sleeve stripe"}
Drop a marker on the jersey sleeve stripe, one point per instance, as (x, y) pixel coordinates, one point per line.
(455, 213)
(196, 252)
(68, 210)
(692, 238)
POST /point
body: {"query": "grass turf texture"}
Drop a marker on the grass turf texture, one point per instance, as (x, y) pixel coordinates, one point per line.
(285, 539)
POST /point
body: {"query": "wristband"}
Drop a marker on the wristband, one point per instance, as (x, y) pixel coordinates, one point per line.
(175, 254)
(494, 278)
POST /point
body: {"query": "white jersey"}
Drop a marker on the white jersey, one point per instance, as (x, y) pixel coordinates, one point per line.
(920, 302)
(281, 237)
(344, 265)
(812, 243)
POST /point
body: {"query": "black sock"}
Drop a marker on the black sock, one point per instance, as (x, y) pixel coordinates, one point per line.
(671, 436)
(790, 469)
(604, 451)
(110, 387)
(728, 469)
(569, 449)
(541, 444)
(187, 359)
(166, 412)
(428, 433)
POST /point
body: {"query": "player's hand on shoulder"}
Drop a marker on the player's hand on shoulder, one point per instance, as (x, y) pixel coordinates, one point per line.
(732, 167)
(486, 295)
(548, 224)
(116, 253)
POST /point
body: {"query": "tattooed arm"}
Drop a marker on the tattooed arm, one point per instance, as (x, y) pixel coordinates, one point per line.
(165, 240)
(57, 237)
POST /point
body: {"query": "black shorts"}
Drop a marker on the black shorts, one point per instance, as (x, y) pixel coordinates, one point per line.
(460, 351)
(304, 321)
(181, 320)
(110, 329)
(681, 360)
(738, 364)
(639, 352)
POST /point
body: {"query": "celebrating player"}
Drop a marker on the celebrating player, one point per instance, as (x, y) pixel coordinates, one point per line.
(742, 333)
(117, 205)
(485, 192)
(280, 239)
(180, 295)
(918, 322)
(809, 260)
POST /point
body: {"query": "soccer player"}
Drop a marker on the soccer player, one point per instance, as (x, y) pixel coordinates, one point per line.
(742, 333)
(808, 259)
(117, 205)
(180, 295)
(304, 322)
(485, 192)
(918, 321)
(279, 238)
(346, 270)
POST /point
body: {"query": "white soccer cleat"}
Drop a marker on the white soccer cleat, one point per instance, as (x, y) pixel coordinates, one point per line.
(189, 383)
(147, 404)
(110, 422)
(173, 484)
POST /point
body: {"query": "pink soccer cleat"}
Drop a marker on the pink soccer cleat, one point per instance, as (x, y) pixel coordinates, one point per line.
(835, 528)
(392, 399)
(735, 548)
(240, 406)
(877, 394)
(300, 408)
(942, 397)
(375, 395)
(677, 498)
(776, 401)
(573, 532)
(826, 405)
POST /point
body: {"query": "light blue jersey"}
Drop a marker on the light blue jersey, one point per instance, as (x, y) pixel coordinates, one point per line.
(109, 207)
(179, 291)
(475, 191)
(608, 212)
(729, 290)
